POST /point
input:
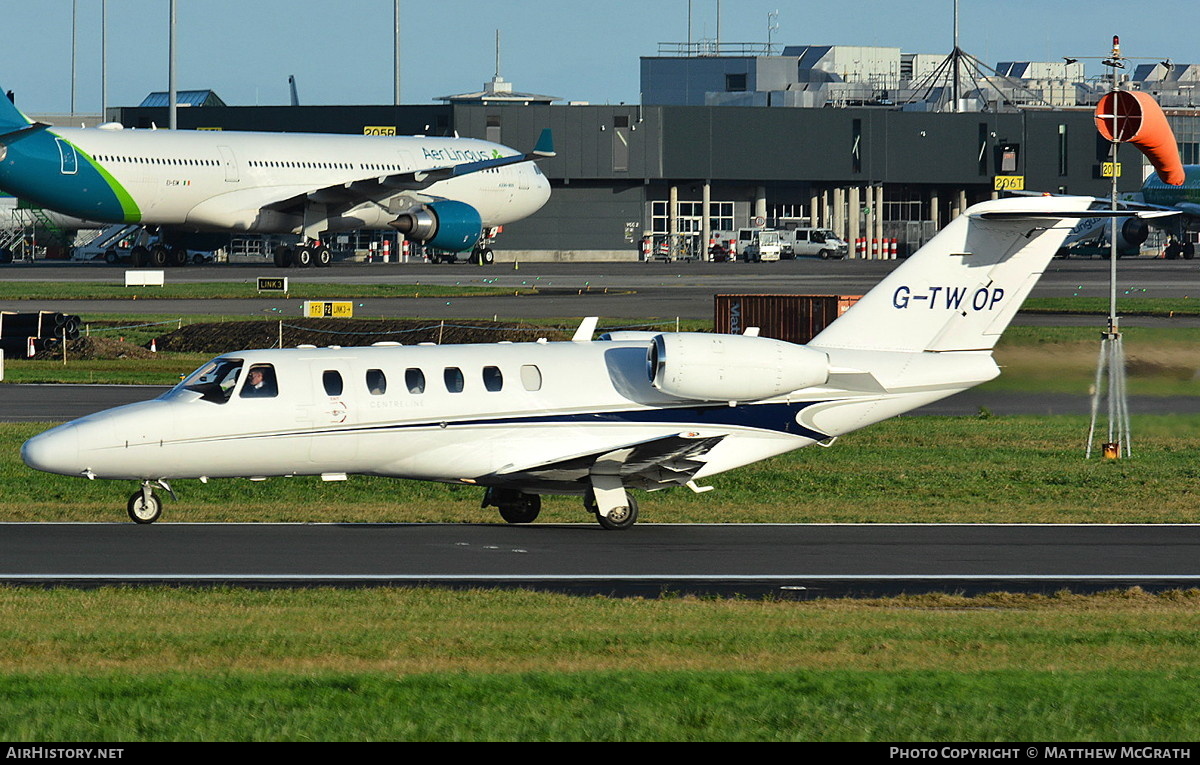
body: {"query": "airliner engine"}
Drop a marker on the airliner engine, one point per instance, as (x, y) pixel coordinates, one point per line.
(446, 225)
(707, 367)
(1131, 232)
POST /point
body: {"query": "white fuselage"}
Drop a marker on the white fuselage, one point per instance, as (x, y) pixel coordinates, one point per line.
(548, 401)
(244, 181)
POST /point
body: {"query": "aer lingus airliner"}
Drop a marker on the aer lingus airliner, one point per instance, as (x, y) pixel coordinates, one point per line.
(595, 418)
(444, 192)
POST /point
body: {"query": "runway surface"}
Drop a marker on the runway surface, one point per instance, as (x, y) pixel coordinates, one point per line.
(796, 561)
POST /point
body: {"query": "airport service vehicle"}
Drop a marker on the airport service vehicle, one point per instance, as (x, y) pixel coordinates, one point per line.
(759, 244)
(595, 418)
(812, 242)
(443, 192)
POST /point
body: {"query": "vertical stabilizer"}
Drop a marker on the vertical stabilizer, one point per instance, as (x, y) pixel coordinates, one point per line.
(960, 291)
(10, 117)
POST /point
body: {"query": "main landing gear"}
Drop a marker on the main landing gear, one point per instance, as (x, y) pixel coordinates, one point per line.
(303, 255)
(515, 506)
(615, 509)
(620, 514)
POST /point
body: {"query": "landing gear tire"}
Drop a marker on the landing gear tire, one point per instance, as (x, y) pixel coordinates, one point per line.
(303, 257)
(619, 518)
(525, 510)
(486, 257)
(282, 257)
(322, 257)
(159, 257)
(144, 507)
(177, 256)
(139, 256)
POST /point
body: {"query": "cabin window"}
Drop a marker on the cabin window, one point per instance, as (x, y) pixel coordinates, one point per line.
(332, 380)
(376, 382)
(454, 379)
(414, 379)
(531, 377)
(260, 382)
(493, 380)
(215, 380)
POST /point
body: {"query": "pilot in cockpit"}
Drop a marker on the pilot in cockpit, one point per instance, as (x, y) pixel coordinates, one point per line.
(260, 382)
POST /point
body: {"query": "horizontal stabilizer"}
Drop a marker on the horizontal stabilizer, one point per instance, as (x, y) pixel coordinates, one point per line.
(11, 137)
(1084, 214)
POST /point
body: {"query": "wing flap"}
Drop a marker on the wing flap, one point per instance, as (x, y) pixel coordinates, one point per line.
(655, 464)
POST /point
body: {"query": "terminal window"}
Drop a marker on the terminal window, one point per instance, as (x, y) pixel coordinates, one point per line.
(735, 83)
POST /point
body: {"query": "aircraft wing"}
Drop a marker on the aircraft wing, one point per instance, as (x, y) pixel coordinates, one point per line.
(655, 464)
(1182, 208)
(379, 187)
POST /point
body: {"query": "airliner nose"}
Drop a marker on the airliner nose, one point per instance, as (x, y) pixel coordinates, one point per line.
(55, 451)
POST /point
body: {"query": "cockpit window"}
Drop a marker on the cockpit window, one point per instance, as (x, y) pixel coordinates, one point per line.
(215, 380)
(260, 382)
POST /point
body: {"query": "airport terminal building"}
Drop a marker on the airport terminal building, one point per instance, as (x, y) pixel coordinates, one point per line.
(733, 135)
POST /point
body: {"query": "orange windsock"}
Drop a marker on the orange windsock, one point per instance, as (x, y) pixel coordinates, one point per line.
(1133, 116)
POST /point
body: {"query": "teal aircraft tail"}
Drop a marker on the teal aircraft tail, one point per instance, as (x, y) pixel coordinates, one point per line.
(10, 117)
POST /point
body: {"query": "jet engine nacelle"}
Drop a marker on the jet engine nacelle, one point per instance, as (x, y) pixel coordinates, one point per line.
(707, 367)
(1131, 231)
(445, 225)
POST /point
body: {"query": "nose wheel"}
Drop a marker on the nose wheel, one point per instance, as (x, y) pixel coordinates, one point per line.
(144, 506)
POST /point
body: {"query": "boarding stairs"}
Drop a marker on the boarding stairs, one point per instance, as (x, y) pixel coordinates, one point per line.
(103, 241)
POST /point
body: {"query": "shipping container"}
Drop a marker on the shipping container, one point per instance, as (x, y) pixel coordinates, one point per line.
(794, 318)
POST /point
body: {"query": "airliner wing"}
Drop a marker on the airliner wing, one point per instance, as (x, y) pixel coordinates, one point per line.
(379, 187)
(655, 464)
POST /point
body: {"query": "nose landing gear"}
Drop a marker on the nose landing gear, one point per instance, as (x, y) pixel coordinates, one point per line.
(144, 505)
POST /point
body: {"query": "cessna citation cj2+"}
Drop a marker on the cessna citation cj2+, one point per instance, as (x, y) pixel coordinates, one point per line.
(443, 192)
(589, 417)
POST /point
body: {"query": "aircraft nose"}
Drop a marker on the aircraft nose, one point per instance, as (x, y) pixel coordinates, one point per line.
(55, 451)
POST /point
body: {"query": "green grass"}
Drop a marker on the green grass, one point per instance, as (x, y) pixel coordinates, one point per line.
(116, 290)
(1129, 303)
(408, 664)
(1160, 361)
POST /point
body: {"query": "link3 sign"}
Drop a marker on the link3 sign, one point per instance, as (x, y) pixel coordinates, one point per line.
(949, 298)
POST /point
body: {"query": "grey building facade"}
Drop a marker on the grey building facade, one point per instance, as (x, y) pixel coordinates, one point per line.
(625, 171)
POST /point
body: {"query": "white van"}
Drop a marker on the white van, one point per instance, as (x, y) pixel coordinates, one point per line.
(813, 242)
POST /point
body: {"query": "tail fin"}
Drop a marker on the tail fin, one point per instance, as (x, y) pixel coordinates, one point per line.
(10, 117)
(960, 291)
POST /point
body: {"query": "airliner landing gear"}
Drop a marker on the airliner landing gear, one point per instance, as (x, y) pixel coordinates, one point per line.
(615, 509)
(515, 506)
(303, 255)
(144, 506)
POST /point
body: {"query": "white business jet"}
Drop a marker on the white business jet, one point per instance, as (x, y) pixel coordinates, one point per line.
(443, 192)
(588, 417)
